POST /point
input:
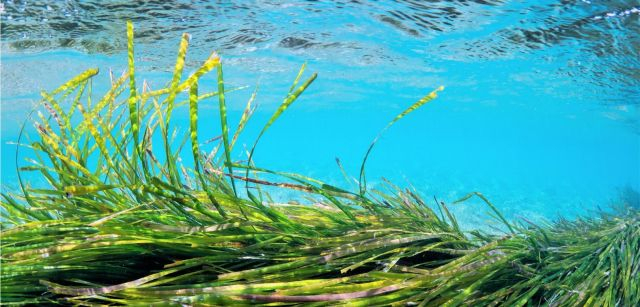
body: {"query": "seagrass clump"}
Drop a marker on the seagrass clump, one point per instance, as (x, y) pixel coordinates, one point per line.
(126, 219)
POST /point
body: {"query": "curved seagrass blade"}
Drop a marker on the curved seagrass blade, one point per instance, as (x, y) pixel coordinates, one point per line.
(225, 128)
(173, 92)
(291, 97)
(486, 201)
(195, 149)
(362, 181)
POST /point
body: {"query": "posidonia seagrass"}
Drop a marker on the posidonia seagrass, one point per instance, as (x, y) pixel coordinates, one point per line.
(119, 226)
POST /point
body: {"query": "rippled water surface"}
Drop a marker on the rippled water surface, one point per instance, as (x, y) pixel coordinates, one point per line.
(540, 112)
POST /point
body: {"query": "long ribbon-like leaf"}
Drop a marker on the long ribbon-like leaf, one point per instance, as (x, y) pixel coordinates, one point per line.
(413, 107)
(195, 148)
(225, 128)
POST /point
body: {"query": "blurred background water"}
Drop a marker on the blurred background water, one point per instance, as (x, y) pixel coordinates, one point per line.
(540, 111)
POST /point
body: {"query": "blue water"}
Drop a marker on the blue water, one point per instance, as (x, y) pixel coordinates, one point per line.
(540, 111)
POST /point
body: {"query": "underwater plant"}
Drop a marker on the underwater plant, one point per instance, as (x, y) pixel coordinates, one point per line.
(124, 222)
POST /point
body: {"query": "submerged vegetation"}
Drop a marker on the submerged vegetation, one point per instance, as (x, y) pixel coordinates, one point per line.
(123, 221)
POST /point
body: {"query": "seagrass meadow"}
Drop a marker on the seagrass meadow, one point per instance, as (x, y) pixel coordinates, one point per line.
(124, 221)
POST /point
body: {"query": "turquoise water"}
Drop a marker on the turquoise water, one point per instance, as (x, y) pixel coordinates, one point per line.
(540, 111)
